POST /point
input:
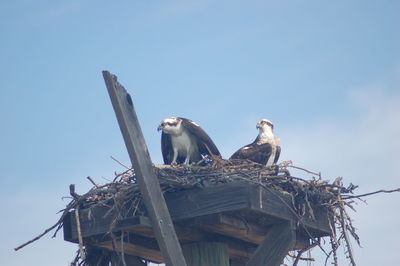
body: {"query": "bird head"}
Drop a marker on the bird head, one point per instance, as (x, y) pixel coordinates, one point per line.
(170, 125)
(264, 124)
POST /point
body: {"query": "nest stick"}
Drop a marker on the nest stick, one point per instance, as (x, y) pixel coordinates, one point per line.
(305, 170)
(122, 249)
(127, 167)
(91, 181)
(372, 193)
(300, 252)
(58, 223)
(36, 238)
(78, 225)
(344, 232)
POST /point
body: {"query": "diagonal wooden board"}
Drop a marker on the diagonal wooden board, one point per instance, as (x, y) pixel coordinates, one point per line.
(147, 180)
(279, 240)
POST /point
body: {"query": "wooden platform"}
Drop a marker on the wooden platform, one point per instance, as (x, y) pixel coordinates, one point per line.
(238, 214)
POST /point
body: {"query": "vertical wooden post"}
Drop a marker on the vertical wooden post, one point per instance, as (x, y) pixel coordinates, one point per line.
(147, 180)
(276, 245)
(206, 253)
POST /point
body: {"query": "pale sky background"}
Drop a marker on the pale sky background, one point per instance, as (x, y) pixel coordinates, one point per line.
(327, 73)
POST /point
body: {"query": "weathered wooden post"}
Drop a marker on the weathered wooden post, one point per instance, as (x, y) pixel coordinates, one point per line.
(279, 240)
(147, 180)
(206, 253)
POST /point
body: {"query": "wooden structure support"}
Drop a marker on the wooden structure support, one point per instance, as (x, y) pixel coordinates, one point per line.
(148, 182)
(279, 240)
(206, 253)
(242, 223)
(241, 215)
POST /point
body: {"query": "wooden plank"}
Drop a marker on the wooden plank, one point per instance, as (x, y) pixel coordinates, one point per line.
(94, 223)
(140, 229)
(198, 202)
(276, 245)
(206, 253)
(140, 225)
(236, 248)
(251, 202)
(239, 196)
(138, 247)
(148, 182)
(145, 247)
(231, 226)
(239, 228)
(279, 205)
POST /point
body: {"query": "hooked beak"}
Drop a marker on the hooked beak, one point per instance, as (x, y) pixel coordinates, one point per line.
(258, 126)
(160, 127)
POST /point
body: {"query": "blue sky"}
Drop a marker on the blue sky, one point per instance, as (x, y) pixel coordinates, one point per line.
(327, 73)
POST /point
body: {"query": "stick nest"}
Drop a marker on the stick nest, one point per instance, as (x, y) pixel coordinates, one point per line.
(123, 198)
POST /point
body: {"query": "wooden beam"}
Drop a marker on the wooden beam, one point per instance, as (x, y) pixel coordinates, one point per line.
(231, 226)
(141, 236)
(242, 199)
(242, 196)
(206, 253)
(148, 182)
(279, 240)
(136, 249)
(134, 245)
(279, 205)
(147, 247)
(239, 228)
(192, 203)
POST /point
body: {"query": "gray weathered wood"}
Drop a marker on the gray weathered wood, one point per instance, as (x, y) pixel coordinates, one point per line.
(256, 204)
(134, 245)
(148, 183)
(206, 253)
(276, 245)
(271, 202)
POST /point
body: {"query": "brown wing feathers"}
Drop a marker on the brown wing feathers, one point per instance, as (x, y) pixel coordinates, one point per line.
(206, 145)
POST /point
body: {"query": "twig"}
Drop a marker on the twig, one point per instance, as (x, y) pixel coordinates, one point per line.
(371, 193)
(36, 238)
(127, 167)
(75, 261)
(344, 230)
(91, 180)
(121, 174)
(73, 193)
(122, 249)
(78, 225)
(300, 252)
(58, 223)
(305, 170)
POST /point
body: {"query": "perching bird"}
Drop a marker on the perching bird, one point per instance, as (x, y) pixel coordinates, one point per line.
(265, 148)
(184, 142)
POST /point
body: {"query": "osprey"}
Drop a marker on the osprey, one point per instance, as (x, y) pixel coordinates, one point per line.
(184, 142)
(264, 149)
